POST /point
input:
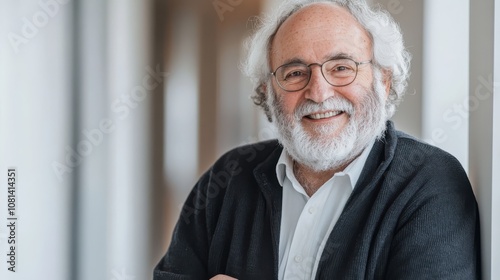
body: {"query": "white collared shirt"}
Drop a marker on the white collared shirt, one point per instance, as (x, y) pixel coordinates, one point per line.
(306, 222)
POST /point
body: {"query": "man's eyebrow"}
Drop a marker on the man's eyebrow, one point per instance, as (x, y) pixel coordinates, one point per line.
(294, 60)
(339, 55)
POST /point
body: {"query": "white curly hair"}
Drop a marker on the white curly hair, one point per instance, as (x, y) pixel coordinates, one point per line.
(389, 52)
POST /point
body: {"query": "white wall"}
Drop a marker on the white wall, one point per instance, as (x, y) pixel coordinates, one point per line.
(75, 121)
(35, 131)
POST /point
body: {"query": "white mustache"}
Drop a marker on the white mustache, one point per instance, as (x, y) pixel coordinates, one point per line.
(331, 104)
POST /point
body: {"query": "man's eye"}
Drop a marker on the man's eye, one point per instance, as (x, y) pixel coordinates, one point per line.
(341, 68)
(294, 74)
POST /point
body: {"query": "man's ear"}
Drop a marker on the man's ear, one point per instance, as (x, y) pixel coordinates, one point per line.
(387, 80)
(261, 99)
(262, 89)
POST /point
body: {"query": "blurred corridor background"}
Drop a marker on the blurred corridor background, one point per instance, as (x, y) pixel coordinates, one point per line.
(111, 110)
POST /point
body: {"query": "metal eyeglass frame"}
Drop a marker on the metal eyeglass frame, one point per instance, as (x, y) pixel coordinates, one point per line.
(322, 73)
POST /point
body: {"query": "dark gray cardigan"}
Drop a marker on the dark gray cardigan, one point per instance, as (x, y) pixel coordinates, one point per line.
(412, 215)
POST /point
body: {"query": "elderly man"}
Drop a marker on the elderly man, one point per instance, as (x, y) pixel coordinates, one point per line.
(341, 194)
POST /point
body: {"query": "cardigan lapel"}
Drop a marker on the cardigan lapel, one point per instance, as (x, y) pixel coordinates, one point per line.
(265, 174)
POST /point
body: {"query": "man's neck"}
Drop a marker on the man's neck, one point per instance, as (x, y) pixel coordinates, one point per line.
(312, 180)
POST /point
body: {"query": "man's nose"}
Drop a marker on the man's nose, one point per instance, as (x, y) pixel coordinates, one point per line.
(318, 89)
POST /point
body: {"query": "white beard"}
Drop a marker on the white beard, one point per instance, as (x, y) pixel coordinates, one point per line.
(321, 153)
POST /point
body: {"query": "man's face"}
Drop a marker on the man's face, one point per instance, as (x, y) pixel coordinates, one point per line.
(321, 112)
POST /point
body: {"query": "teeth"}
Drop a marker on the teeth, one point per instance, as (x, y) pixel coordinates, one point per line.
(324, 115)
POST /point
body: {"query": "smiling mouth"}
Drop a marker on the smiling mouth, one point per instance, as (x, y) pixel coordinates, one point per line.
(326, 115)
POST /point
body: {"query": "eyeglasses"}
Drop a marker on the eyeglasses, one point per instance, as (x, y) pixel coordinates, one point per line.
(338, 72)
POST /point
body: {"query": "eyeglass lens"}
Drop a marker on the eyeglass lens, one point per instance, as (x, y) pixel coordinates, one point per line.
(296, 76)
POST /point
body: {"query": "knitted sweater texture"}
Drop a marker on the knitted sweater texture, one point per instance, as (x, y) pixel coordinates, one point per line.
(412, 215)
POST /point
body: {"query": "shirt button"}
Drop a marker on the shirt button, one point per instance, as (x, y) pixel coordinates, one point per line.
(298, 258)
(312, 210)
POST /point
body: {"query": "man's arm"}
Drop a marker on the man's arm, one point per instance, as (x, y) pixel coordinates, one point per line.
(438, 234)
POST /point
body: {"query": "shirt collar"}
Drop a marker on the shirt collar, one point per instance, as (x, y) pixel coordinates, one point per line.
(284, 167)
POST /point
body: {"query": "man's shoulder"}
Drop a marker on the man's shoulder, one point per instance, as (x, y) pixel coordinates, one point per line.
(251, 155)
(399, 145)
(415, 170)
(411, 146)
(414, 155)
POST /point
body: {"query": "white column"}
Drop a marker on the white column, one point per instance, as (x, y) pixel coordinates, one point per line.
(131, 78)
(484, 136)
(182, 104)
(36, 136)
(94, 108)
(445, 74)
